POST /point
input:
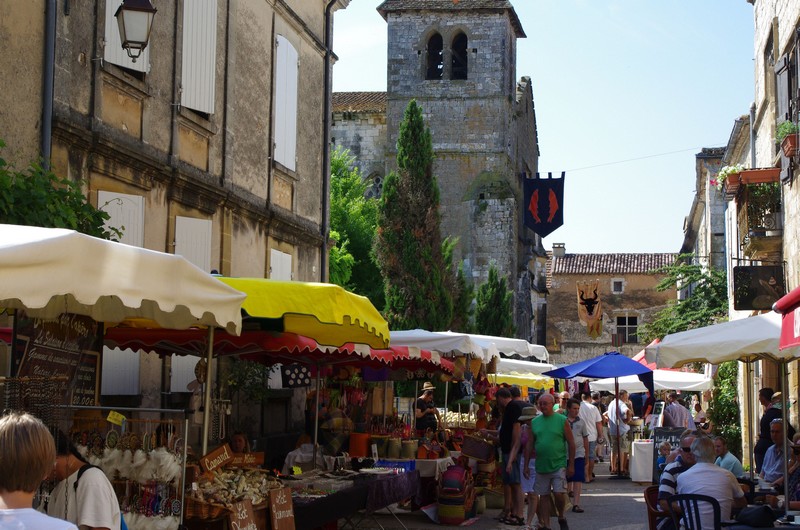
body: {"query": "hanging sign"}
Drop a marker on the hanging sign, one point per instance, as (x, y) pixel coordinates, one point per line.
(590, 307)
(543, 204)
(281, 509)
(217, 458)
(247, 459)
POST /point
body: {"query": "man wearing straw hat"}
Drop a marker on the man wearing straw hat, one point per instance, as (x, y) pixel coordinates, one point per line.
(426, 413)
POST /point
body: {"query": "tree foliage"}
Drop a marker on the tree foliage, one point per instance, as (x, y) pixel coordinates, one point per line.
(706, 303)
(354, 219)
(494, 312)
(408, 244)
(724, 409)
(38, 197)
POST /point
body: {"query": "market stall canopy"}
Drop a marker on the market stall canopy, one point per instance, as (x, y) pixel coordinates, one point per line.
(610, 364)
(444, 342)
(523, 373)
(746, 339)
(51, 271)
(662, 380)
(507, 345)
(789, 307)
(328, 313)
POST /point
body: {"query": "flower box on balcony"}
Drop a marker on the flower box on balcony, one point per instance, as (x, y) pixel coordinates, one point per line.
(760, 176)
(789, 145)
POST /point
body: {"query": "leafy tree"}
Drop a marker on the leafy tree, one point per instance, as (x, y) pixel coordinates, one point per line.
(354, 219)
(724, 408)
(706, 303)
(463, 291)
(494, 312)
(38, 197)
(408, 245)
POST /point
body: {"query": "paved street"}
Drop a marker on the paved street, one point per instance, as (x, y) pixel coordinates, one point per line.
(609, 504)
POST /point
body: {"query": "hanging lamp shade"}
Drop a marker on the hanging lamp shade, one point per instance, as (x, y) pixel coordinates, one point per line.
(135, 19)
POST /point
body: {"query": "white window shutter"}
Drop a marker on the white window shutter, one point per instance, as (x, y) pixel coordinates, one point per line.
(120, 374)
(126, 214)
(199, 55)
(113, 52)
(120, 371)
(285, 133)
(280, 264)
(193, 241)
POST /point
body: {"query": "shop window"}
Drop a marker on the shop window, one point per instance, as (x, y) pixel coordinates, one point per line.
(435, 50)
(627, 329)
(460, 60)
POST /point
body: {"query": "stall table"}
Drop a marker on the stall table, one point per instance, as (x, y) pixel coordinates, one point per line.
(641, 461)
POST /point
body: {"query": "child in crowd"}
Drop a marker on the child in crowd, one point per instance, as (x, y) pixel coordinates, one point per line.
(663, 452)
(26, 459)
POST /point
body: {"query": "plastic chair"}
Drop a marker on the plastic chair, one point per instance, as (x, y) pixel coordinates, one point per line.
(654, 512)
(689, 513)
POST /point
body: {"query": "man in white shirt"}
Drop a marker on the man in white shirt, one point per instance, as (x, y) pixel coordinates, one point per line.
(705, 478)
(594, 423)
(618, 432)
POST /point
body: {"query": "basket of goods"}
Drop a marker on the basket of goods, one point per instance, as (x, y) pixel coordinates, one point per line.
(478, 448)
(456, 496)
(218, 490)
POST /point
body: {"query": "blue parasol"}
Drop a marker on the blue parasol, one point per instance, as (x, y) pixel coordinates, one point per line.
(610, 364)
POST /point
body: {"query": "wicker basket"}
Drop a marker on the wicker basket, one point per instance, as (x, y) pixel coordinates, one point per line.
(477, 448)
(197, 509)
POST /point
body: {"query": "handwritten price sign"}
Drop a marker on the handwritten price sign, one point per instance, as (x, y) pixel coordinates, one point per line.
(242, 516)
(281, 510)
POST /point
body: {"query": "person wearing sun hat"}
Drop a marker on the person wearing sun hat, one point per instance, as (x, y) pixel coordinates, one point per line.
(425, 411)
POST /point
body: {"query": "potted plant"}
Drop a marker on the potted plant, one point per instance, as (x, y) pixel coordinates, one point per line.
(727, 179)
(760, 175)
(786, 137)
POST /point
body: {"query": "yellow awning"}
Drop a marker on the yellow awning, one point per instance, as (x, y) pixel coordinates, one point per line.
(539, 382)
(325, 312)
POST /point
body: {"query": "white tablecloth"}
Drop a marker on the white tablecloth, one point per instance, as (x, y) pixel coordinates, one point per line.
(641, 464)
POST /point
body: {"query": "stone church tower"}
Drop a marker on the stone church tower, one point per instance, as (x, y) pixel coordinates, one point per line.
(457, 58)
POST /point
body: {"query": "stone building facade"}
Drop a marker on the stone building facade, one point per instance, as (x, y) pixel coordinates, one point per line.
(458, 61)
(192, 148)
(626, 288)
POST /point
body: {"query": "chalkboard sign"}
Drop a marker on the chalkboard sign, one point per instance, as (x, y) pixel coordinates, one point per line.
(67, 347)
(660, 435)
(242, 516)
(280, 509)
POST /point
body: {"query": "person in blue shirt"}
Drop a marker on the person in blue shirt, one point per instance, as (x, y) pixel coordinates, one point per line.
(726, 459)
(772, 468)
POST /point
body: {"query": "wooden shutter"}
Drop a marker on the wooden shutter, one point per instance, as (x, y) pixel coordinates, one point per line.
(285, 133)
(199, 55)
(126, 214)
(782, 89)
(113, 51)
(193, 241)
(280, 265)
(120, 369)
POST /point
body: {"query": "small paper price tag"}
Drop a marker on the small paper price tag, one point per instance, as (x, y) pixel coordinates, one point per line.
(115, 417)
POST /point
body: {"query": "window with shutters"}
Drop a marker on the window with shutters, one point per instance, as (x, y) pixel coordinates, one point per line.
(787, 98)
(285, 130)
(120, 369)
(113, 51)
(280, 265)
(199, 55)
(460, 60)
(435, 57)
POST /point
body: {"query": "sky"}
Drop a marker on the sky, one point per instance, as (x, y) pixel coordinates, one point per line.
(626, 93)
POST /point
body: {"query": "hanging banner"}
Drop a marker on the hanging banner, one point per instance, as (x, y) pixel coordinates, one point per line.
(757, 287)
(544, 209)
(590, 307)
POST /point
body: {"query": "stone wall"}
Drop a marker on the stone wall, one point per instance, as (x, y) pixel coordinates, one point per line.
(364, 135)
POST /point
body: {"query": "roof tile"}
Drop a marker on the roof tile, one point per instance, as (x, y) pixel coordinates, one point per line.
(609, 263)
(359, 102)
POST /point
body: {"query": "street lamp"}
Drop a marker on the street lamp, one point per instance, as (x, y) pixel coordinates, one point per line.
(135, 18)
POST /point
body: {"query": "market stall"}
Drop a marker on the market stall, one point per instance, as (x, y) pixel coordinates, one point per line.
(63, 287)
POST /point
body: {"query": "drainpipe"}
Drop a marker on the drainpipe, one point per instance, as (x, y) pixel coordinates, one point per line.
(48, 77)
(753, 135)
(326, 147)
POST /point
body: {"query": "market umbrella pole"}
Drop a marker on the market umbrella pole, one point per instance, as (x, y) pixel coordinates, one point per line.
(316, 420)
(785, 419)
(751, 415)
(207, 396)
(619, 474)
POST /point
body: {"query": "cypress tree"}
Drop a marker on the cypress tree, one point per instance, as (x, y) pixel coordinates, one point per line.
(408, 244)
(494, 311)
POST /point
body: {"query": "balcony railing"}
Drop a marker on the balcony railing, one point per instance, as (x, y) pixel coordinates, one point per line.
(760, 219)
